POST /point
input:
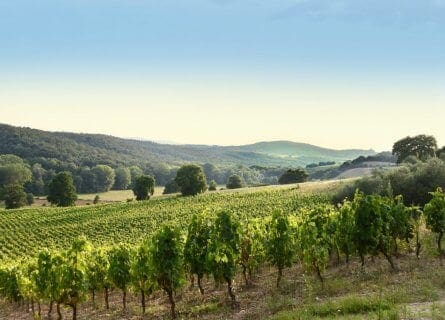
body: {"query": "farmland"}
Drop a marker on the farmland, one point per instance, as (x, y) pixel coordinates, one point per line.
(414, 289)
(25, 231)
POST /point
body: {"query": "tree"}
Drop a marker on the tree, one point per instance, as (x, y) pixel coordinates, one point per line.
(196, 246)
(435, 216)
(293, 176)
(29, 199)
(119, 270)
(14, 196)
(13, 171)
(234, 182)
(144, 187)
(211, 171)
(421, 146)
(104, 177)
(135, 172)
(142, 273)
(280, 245)
(37, 185)
(171, 187)
(191, 180)
(224, 250)
(167, 253)
(61, 190)
(122, 178)
(213, 185)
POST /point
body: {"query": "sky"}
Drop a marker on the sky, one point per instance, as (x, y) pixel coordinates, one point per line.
(334, 73)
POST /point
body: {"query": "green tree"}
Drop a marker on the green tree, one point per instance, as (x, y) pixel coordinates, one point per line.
(14, 196)
(435, 216)
(14, 173)
(171, 187)
(104, 177)
(61, 190)
(224, 250)
(144, 187)
(234, 182)
(293, 176)
(191, 180)
(421, 146)
(119, 270)
(213, 185)
(29, 199)
(142, 273)
(167, 253)
(122, 179)
(280, 244)
(196, 246)
(135, 172)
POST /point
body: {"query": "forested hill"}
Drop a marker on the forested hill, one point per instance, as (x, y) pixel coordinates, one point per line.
(91, 149)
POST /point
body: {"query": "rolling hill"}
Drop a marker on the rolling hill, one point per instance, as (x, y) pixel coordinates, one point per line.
(88, 149)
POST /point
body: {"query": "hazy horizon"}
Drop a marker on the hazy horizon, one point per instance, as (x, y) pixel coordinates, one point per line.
(337, 74)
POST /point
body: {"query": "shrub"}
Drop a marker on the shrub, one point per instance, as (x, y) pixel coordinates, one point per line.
(293, 176)
(234, 182)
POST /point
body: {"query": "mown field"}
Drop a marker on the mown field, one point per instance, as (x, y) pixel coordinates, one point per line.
(24, 232)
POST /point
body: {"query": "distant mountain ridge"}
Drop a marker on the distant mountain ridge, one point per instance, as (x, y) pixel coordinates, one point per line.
(89, 149)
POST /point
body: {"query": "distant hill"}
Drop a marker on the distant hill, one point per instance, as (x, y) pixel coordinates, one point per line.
(90, 149)
(303, 152)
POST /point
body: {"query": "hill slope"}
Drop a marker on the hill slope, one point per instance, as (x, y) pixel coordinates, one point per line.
(90, 149)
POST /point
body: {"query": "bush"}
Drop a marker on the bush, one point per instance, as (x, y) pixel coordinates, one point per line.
(293, 176)
(171, 187)
(29, 199)
(212, 185)
(234, 182)
(413, 181)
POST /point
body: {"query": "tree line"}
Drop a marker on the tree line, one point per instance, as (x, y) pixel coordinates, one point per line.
(16, 179)
(218, 245)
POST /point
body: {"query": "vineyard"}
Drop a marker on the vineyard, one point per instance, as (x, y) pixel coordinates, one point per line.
(161, 247)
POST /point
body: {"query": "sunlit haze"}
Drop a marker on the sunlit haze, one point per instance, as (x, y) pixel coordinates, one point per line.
(339, 74)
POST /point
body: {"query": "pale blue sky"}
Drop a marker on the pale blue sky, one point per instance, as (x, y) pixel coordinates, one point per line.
(338, 73)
